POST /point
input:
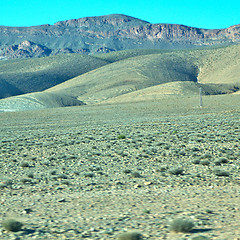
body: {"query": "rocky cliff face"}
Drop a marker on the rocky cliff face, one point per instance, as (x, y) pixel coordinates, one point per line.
(92, 35)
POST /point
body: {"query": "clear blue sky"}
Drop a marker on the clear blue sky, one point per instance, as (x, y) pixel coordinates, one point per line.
(203, 14)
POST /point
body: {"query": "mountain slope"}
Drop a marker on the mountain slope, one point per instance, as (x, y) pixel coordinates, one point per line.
(108, 33)
(33, 75)
(8, 90)
(127, 76)
(36, 101)
(146, 71)
(220, 66)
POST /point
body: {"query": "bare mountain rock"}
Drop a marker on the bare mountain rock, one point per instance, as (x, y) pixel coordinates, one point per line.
(102, 34)
(25, 49)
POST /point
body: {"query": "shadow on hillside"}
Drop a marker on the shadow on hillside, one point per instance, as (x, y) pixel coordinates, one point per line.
(8, 90)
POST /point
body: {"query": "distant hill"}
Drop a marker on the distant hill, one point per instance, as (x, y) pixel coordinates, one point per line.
(117, 77)
(103, 34)
(129, 75)
(134, 73)
(37, 74)
(36, 101)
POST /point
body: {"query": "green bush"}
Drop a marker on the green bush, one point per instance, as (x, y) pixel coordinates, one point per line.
(30, 175)
(136, 174)
(223, 160)
(220, 161)
(200, 237)
(196, 161)
(205, 162)
(176, 171)
(12, 225)
(220, 172)
(24, 164)
(121, 136)
(88, 174)
(181, 225)
(25, 180)
(130, 236)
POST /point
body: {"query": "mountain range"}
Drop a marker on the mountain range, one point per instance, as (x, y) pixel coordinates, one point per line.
(91, 35)
(158, 61)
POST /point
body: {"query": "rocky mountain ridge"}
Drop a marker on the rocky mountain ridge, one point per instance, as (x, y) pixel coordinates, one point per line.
(108, 33)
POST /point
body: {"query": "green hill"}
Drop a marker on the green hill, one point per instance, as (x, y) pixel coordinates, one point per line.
(37, 100)
(219, 66)
(124, 54)
(125, 76)
(129, 75)
(37, 74)
(144, 71)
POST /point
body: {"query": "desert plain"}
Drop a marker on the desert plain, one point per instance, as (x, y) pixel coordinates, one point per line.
(96, 171)
(102, 131)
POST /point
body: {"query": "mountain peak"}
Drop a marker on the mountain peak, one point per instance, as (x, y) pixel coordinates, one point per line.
(112, 19)
(26, 43)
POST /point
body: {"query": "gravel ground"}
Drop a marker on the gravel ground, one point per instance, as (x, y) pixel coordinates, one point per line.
(95, 172)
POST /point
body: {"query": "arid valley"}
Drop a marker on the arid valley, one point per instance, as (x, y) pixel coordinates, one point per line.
(93, 146)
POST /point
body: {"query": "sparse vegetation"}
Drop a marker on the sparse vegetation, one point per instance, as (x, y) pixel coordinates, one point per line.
(205, 162)
(89, 174)
(116, 197)
(24, 164)
(196, 161)
(136, 174)
(130, 236)
(220, 172)
(176, 170)
(121, 136)
(200, 237)
(12, 225)
(46, 72)
(181, 224)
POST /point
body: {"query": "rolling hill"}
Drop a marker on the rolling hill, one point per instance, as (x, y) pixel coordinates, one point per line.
(128, 75)
(36, 101)
(124, 76)
(141, 72)
(36, 74)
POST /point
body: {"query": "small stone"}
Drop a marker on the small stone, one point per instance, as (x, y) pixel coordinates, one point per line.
(148, 183)
(118, 183)
(86, 234)
(93, 230)
(27, 210)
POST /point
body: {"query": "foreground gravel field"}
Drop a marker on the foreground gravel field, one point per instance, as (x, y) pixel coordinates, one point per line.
(96, 172)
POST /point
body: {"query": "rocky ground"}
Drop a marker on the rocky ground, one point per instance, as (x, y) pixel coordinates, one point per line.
(95, 172)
